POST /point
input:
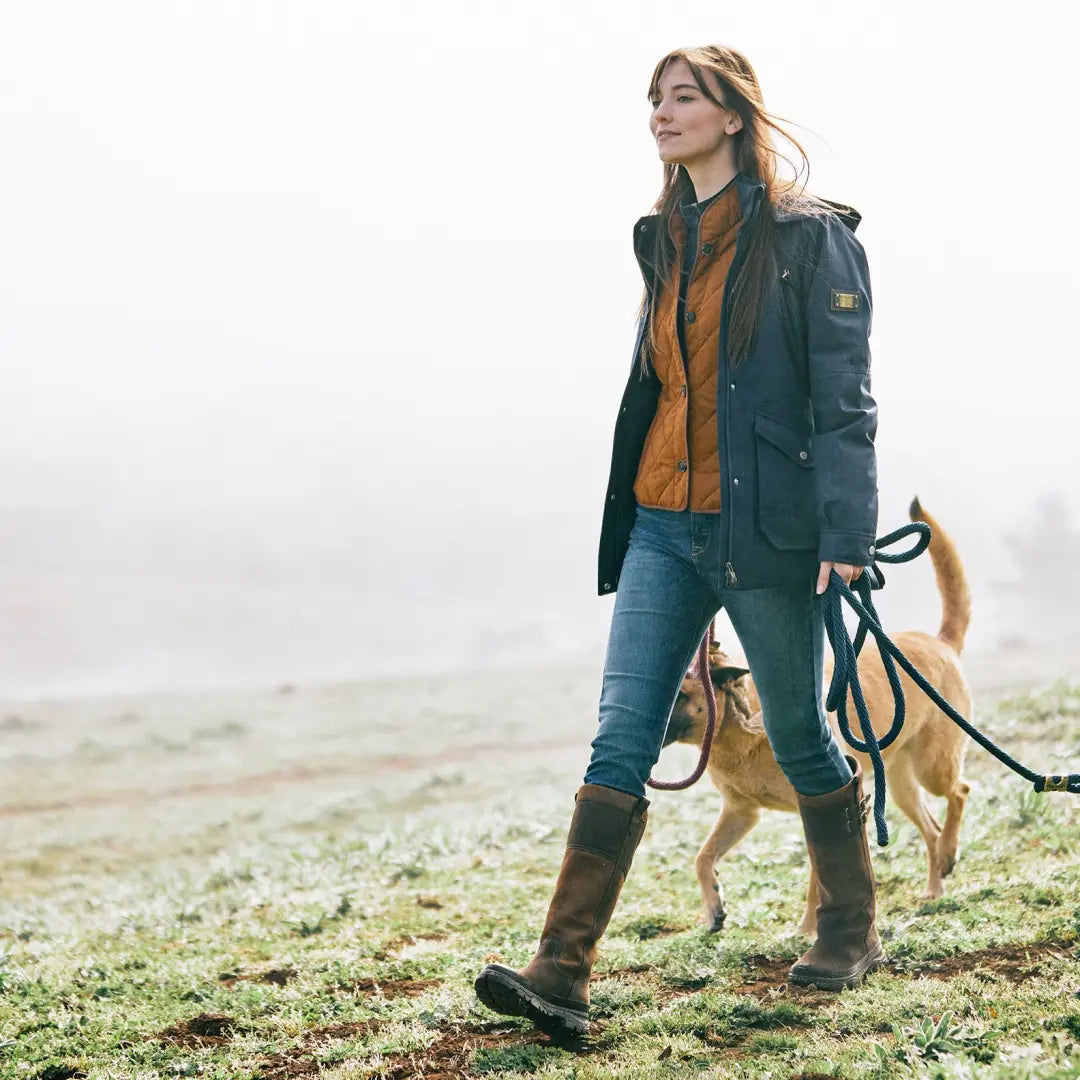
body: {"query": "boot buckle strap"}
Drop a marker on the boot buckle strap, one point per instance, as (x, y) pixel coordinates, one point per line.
(853, 822)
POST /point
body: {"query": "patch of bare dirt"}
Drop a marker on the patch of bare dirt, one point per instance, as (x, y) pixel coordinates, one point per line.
(353, 1029)
(285, 1066)
(275, 977)
(403, 941)
(392, 988)
(1016, 963)
(206, 1029)
(768, 981)
(449, 1057)
(301, 1060)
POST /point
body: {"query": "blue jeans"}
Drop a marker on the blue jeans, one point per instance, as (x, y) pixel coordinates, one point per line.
(671, 586)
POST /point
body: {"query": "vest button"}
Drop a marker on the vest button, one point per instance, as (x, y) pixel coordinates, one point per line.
(802, 455)
(690, 316)
(706, 249)
(731, 387)
(682, 465)
(682, 390)
(735, 481)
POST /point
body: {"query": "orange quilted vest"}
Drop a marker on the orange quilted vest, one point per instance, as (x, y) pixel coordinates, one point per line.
(680, 462)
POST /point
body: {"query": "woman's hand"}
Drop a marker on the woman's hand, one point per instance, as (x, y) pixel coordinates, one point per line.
(848, 573)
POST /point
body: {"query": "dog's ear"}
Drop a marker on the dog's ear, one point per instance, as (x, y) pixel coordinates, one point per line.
(717, 656)
(727, 673)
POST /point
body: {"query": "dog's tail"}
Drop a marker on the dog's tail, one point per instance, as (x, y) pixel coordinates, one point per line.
(951, 580)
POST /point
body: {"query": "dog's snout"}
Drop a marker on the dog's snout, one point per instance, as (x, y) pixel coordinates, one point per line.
(678, 722)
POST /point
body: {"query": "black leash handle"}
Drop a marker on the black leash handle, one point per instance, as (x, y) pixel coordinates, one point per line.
(846, 676)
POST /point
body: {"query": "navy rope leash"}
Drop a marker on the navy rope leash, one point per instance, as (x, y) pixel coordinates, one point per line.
(846, 676)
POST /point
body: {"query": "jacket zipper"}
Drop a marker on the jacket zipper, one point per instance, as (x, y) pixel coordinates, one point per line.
(730, 577)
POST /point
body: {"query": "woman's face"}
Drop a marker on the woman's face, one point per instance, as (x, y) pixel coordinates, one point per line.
(688, 126)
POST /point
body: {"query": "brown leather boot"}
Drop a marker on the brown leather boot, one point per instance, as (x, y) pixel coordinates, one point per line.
(552, 990)
(847, 945)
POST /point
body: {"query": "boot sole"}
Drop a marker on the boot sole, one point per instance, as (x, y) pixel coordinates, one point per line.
(843, 980)
(506, 995)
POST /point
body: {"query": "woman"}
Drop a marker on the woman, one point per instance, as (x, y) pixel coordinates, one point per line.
(743, 475)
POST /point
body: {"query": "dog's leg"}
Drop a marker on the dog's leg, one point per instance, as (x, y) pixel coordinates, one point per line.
(808, 926)
(734, 822)
(948, 844)
(907, 794)
(941, 774)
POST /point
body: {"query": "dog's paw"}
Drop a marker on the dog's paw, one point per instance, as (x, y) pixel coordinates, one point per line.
(714, 921)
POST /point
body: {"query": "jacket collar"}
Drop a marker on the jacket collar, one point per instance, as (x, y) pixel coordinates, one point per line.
(750, 194)
(709, 220)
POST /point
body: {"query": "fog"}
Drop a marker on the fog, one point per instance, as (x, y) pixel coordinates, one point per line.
(315, 317)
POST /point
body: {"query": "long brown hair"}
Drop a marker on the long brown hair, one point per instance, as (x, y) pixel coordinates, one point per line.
(755, 157)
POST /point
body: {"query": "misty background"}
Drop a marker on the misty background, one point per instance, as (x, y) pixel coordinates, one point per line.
(314, 318)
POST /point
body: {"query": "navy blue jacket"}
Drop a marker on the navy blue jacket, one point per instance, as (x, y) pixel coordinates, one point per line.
(796, 420)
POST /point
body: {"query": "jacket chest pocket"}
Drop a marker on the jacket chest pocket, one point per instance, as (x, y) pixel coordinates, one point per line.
(786, 487)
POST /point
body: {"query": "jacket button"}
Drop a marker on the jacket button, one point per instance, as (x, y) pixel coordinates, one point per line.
(731, 387)
(682, 465)
(623, 409)
(802, 455)
(682, 390)
(871, 550)
(735, 481)
(612, 499)
(690, 316)
(706, 249)
(607, 586)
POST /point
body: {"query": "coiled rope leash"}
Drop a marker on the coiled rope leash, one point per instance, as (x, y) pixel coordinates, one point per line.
(846, 676)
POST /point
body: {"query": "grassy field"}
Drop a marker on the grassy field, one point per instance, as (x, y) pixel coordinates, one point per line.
(305, 883)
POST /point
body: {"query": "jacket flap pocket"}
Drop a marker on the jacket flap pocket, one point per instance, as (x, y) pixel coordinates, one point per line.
(786, 439)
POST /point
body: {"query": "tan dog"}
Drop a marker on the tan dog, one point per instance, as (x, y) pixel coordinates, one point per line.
(928, 753)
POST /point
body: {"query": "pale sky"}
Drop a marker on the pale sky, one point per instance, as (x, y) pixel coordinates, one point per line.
(316, 315)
